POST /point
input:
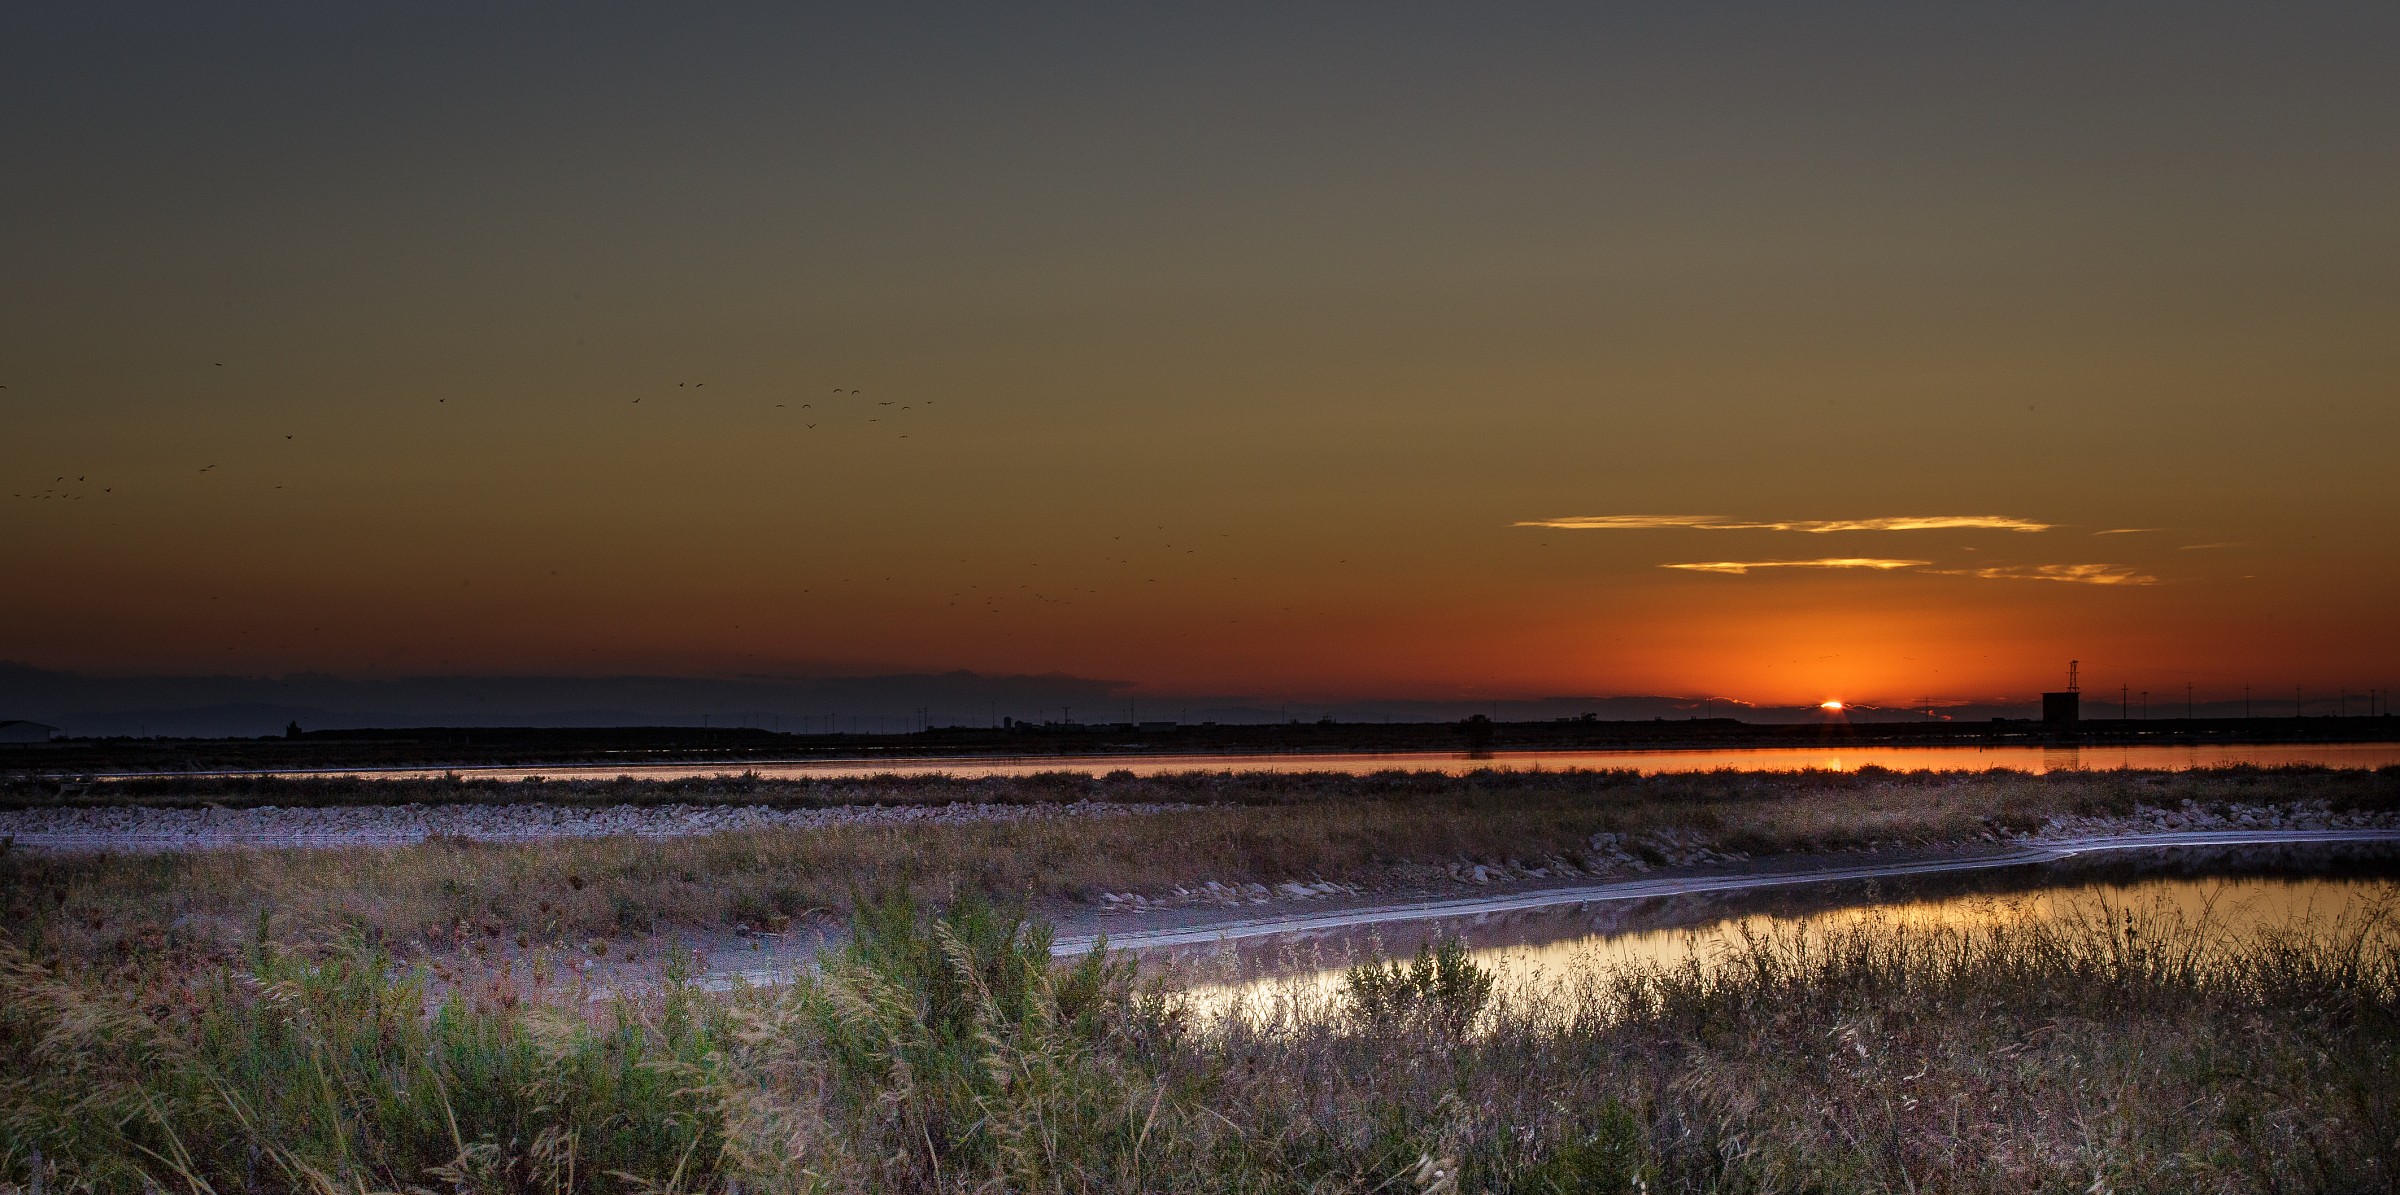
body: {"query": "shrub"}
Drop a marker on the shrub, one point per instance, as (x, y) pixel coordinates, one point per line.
(1440, 991)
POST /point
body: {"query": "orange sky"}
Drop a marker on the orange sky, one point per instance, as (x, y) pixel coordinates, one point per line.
(1217, 353)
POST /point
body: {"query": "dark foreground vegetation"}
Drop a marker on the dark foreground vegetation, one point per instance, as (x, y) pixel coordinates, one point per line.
(2122, 1050)
(128, 912)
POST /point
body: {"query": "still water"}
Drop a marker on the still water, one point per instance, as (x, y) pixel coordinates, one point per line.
(1831, 758)
(2230, 896)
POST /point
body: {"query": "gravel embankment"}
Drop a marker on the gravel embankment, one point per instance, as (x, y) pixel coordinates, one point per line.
(1621, 856)
(139, 828)
(2145, 819)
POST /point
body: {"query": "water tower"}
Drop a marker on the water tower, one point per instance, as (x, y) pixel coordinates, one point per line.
(2064, 709)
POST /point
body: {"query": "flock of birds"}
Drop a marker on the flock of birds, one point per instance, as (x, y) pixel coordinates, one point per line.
(54, 492)
(830, 408)
(852, 407)
(834, 411)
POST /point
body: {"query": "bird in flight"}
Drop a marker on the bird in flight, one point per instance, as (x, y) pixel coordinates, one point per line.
(206, 468)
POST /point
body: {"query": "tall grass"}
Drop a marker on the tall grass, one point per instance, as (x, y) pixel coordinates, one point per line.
(2123, 1050)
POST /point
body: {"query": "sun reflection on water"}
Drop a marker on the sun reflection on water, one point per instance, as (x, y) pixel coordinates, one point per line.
(1536, 957)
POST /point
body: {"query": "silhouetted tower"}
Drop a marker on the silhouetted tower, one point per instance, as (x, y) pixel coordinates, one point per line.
(2065, 708)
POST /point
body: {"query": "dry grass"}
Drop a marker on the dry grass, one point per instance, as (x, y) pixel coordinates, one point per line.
(2126, 1049)
(128, 910)
(2129, 1050)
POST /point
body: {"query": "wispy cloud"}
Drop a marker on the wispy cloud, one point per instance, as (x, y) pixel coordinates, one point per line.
(2129, 530)
(1812, 526)
(2205, 547)
(1743, 566)
(2073, 574)
(1623, 522)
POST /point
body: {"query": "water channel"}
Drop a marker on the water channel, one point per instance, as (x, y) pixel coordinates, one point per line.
(2229, 895)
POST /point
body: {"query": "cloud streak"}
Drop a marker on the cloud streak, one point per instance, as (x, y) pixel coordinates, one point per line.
(2072, 574)
(1738, 567)
(1810, 526)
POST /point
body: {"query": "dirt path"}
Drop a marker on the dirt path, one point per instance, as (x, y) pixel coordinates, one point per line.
(1197, 927)
(1236, 929)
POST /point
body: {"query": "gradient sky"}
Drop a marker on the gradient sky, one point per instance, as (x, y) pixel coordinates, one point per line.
(1226, 348)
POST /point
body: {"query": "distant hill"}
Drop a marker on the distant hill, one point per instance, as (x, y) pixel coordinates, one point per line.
(219, 706)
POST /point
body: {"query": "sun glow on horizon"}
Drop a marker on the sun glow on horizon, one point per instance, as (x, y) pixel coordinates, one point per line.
(1831, 707)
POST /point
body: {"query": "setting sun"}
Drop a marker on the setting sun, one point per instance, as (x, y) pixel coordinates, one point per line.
(1830, 707)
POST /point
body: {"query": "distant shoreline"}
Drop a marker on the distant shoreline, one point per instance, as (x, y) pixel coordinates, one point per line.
(637, 750)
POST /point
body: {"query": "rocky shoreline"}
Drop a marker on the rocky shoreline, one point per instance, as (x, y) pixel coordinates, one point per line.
(1620, 856)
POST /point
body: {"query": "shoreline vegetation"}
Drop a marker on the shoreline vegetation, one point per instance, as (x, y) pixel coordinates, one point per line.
(435, 747)
(2119, 1049)
(1389, 832)
(577, 747)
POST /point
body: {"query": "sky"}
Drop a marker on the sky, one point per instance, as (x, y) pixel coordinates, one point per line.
(1767, 352)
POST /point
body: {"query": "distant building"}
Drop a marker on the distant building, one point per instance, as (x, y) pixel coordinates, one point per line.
(2066, 708)
(25, 732)
(2062, 709)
